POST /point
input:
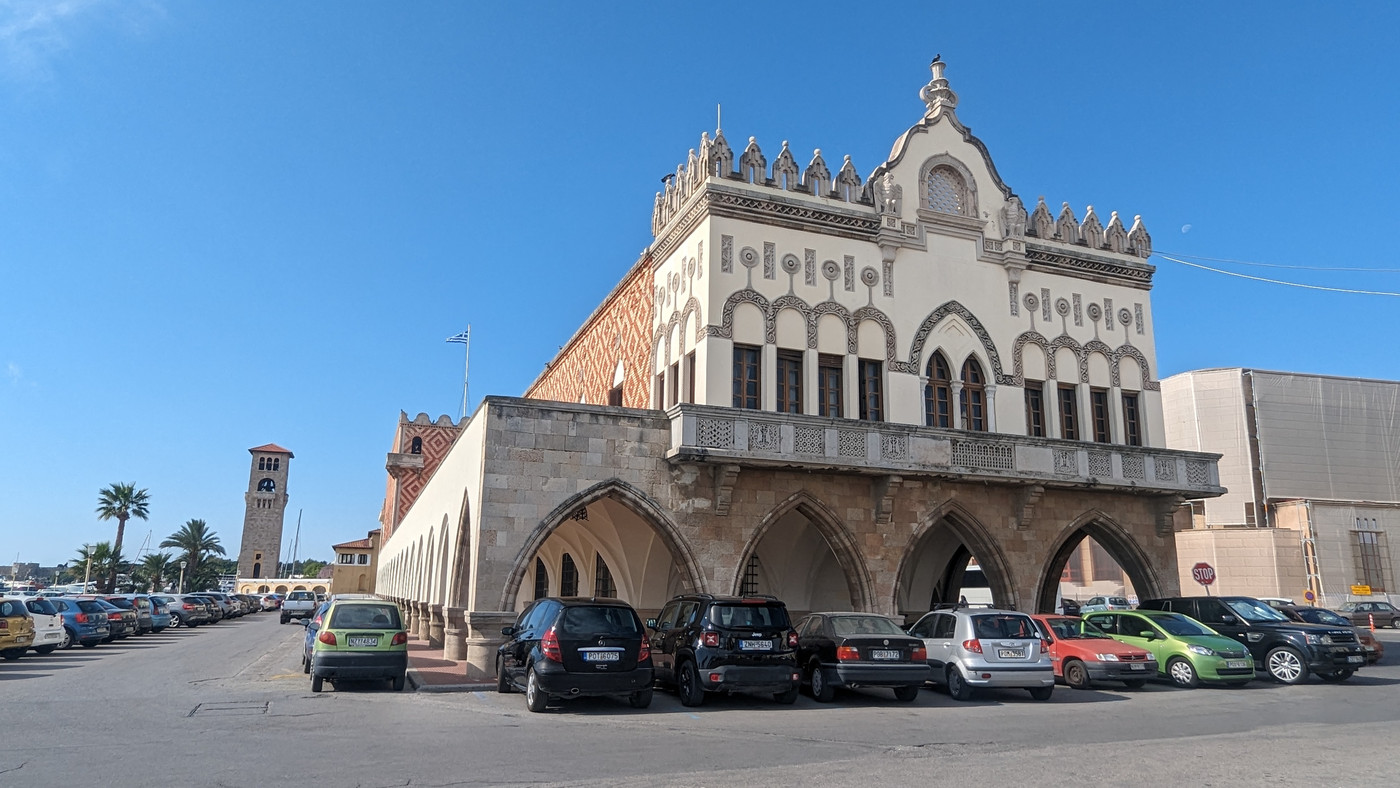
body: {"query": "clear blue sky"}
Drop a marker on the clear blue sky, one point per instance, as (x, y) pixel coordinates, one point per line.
(227, 224)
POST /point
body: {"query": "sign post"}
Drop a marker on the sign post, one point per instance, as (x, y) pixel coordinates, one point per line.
(1204, 574)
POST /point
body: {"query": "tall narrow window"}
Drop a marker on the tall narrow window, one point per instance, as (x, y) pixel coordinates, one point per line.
(416, 446)
(1069, 412)
(689, 376)
(541, 580)
(1369, 550)
(871, 394)
(829, 386)
(1035, 409)
(789, 381)
(257, 570)
(276, 463)
(603, 584)
(974, 396)
(615, 396)
(749, 585)
(673, 383)
(262, 463)
(660, 388)
(747, 386)
(938, 394)
(1132, 421)
(1098, 400)
(568, 577)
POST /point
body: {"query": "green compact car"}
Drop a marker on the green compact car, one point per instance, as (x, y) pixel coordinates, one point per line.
(360, 640)
(1187, 651)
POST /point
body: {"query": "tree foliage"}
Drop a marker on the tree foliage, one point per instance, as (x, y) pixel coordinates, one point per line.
(121, 501)
(195, 543)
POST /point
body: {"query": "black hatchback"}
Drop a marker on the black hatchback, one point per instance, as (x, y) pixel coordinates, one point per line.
(576, 647)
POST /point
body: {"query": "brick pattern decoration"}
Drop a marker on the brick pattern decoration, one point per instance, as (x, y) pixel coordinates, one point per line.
(404, 487)
(619, 329)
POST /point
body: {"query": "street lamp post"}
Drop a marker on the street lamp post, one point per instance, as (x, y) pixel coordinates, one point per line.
(182, 576)
(87, 575)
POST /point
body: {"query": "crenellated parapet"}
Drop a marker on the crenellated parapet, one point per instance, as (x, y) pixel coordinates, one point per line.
(1090, 232)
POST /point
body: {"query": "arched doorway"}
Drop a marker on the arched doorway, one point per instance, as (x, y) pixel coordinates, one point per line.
(952, 557)
(803, 554)
(1096, 557)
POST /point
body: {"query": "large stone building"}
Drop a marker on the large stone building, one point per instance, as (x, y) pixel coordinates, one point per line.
(355, 564)
(834, 389)
(265, 503)
(1312, 464)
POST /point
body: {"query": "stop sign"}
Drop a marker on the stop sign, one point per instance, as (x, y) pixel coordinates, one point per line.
(1204, 573)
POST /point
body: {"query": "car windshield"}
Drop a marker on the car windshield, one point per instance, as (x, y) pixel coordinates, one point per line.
(91, 606)
(863, 625)
(380, 616)
(583, 621)
(1074, 629)
(1120, 601)
(1176, 624)
(1319, 616)
(748, 616)
(10, 608)
(1348, 607)
(1254, 610)
(1003, 625)
(42, 606)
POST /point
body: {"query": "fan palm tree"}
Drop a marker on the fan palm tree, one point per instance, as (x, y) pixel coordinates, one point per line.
(196, 543)
(105, 562)
(153, 570)
(121, 502)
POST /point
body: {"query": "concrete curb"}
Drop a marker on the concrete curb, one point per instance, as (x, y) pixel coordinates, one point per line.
(415, 679)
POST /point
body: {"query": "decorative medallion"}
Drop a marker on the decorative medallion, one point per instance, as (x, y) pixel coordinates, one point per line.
(1062, 307)
(831, 270)
(748, 257)
(869, 276)
(1125, 317)
(1094, 311)
(791, 264)
(1032, 302)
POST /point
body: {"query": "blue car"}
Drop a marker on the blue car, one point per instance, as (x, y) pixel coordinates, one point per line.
(160, 614)
(84, 621)
(313, 625)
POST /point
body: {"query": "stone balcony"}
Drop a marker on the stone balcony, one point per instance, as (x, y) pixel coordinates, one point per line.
(760, 439)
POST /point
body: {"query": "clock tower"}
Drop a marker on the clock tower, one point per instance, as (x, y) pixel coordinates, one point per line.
(266, 501)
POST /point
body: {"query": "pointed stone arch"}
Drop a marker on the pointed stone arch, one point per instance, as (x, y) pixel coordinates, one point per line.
(725, 330)
(1018, 360)
(628, 496)
(838, 538)
(886, 325)
(916, 347)
(1112, 537)
(457, 581)
(975, 537)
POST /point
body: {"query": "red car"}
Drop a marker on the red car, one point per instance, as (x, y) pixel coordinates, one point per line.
(1083, 654)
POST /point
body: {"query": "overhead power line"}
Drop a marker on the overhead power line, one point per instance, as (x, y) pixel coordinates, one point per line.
(1289, 267)
(1278, 281)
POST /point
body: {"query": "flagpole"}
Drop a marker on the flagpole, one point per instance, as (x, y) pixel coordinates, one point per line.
(465, 339)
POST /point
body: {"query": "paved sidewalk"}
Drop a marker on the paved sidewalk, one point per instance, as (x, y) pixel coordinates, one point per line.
(429, 672)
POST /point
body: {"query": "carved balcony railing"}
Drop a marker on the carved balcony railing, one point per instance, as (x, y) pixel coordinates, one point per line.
(761, 439)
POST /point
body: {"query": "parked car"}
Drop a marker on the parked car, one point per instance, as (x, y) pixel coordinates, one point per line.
(270, 602)
(16, 628)
(313, 626)
(839, 650)
(84, 621)
(138, 604)
(220, 608)
(1097, 603)
(1083, 654)
(1286, 650)
(230, 606)
(48, 624)
(1363, 613)
(1372, 647)
(160, 614)
(575, 647)
(706, 643)
(299, 604)
(360, 640)
(1188, 652)
(185, 610)
(1071, 607)
(120, 621)
(970, 648)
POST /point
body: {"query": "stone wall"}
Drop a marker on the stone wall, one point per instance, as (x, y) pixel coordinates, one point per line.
(1248, 561)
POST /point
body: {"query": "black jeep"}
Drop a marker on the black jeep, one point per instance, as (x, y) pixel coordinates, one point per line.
(705, 643)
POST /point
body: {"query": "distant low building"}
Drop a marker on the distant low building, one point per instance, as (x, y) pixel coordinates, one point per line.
(355, 565)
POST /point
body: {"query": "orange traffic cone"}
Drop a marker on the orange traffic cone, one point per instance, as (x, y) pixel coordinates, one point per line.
(1372, 618)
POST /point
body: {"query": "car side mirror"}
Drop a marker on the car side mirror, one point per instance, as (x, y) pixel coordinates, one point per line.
(305, 622)
(1047, 638)
(1148, 634)
(651, 623)
(508, 631)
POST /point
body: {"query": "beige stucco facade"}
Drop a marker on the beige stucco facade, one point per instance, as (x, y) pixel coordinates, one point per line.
(355, 566)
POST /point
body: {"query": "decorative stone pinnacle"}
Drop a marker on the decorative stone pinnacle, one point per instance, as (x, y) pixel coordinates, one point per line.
(936, 94)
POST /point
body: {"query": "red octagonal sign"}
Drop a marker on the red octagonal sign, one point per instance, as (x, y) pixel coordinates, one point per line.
(1204, 573)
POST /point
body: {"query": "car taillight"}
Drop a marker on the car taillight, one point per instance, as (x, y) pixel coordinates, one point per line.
(1044, 646)
(710, 639)
(847, 653)
(550, 646)
(327, 637)
(919, 654)
(644, 653)
(188, 606)
(81, 618)
(400, 638)
(114, 616)
(792, 639)
(975, 646)
(4, 624)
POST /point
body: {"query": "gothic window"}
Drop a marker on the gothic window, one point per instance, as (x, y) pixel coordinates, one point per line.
(973, 399)
(568, 577)
(416, 447)
(938, 394)
(603, 584)
(541, 580)
(267, 485)
(947, 191)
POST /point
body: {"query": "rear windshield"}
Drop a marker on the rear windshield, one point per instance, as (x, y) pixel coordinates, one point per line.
(124, 604)
(302, 595)
(1177, 624)
(863, 625)
(91, 606)
(12, 607)
(746, 616)
(381, 616)
(1121, 601)
(584, 621)
(1003, 625)
(42, 606)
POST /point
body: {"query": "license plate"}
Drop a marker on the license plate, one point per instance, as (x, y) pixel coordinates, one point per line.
(1011, 653)
(1236, 663)
(1356, 659)
(880, 653)
(1137, 666)
(755, 645)
(364, 640)
(600, 656)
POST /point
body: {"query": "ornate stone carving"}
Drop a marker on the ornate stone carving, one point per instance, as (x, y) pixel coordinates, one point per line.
(725, 476)
(748, 257)
(869, 276)
(894, 446)
(785, 170)
(1066, 226)
(1012, 289)
(791, 264)
(726, 254)
(888, 277)
(1108, 314)
(1134, 467)
(936, 95)
(1066, 462)
(770, 254)
(1164, 469)
(831, 270)
(816, 179)
(885, 488)
(1115, 236)
(916, 349)
(1013, 218)
(848, 183)
(809, 267)
(1042, 224)
(1091, 230)
(714, 433)
(850, 443)
(985, 455)
(809, 440)
(888, 195)
(1078, 310)
(1024, 500)
(1137, 316)
(850, 272)
(753, 168)
(1045, 304)
(1197, 473)
(1139, 242)
(763, 436)
(1100, 465)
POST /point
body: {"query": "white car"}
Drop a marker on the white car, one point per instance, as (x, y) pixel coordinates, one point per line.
(49, 632)
(1099, 604)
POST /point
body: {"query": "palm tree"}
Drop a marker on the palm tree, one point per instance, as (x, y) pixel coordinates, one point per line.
(153, 570)
(105, 562)
(121, 502)
(195, 542)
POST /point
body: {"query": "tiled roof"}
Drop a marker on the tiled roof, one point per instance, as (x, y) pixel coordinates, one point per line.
(363, 544)
(271, 448)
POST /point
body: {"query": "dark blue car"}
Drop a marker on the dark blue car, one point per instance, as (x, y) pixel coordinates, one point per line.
(313, 625)
(84, 621)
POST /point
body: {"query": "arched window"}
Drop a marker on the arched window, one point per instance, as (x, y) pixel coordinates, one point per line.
(262, 463)
(267, 485)
(416, 447)
(974, 396)
(276, 463)
(947, 191)
(541, 580)
(938, 394)
(603, 584)
(568, 577)
(257, 570)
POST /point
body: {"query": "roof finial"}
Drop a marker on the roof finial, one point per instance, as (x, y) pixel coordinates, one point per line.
(718, 125)
(936, 94)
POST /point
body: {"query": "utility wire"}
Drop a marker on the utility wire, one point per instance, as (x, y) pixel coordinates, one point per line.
(1290, 267)
(1278, 281)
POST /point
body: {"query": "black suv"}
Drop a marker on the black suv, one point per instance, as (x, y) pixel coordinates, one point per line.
(1285, 649)
(575, 647)
(703, 642)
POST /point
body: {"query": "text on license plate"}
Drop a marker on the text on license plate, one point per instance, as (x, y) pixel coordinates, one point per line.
(1011, 653)
(756, 645)
(1236, 663)
(1137, 666)
(1356, 659)
(364, 640)
(600, 656)
(883, 653)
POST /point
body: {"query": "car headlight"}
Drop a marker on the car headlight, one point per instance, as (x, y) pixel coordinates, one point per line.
(1202, 650)
(1107, 657)
(1319, 640)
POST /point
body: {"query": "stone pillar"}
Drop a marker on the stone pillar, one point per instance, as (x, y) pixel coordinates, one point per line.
(955, 405)
(424, 620)
(1050, 399)
(412, 623)
(768, 377)
(991, 407)
(850, 387)
(811, 391)
(435, 625)
(454, 633)
(483, 638)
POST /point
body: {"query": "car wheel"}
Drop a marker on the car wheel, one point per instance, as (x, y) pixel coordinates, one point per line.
(1336, 676)
(640, 699)
(285, 619)
(906, 694)
(1042, 693)
(535, 698)
(1395, 622)
(502, 680)
(317, 683)
(46, 649)
(305, 664)
(958, 688)
(688, 686)
(12, 654)
(68, 639)
(1076, 675)
(1286, 666)
(822, 692)
(1135, 683)
(398, 682)
(175, 622)
(1183, 673)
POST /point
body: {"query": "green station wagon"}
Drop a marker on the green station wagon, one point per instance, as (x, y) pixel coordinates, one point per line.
(1187, 651)
(360, 639)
